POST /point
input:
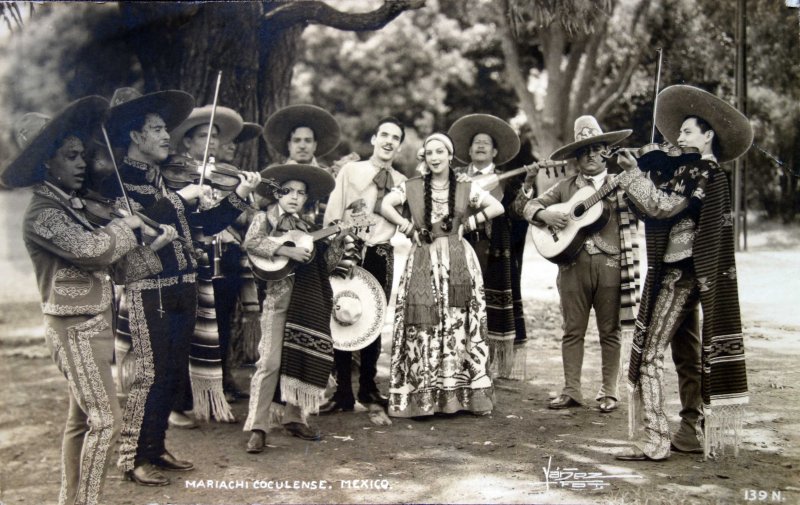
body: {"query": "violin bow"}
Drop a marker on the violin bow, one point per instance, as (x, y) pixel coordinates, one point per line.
(210, 128)
(655, 95)
(116, 172)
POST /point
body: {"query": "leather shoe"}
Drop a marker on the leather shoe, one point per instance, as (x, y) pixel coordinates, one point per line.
(146, 475)
(608, 404)
(181, 420)
(257, 442)
(169, 462)
(302, 431)
(635, 454)
(373, 397)
(562, 402)
(697, 450)
(333, 406)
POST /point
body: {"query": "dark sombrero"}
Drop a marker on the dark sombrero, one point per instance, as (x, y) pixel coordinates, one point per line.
(228, 122)
(506, 140)
(281, 124)
(128, 106)
(38, 135)
(248, 133)
(732, 129)
(587, 132)
(319, 182)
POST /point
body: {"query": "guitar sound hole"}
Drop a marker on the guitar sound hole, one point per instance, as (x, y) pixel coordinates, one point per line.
(579, 210)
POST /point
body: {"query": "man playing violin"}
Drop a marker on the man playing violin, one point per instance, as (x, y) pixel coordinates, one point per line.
(484, 142)
(162, 308)
(690, 256)
(594, 277)
(74, 261)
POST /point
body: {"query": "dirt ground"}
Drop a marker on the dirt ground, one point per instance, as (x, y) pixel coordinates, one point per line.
(501, 458)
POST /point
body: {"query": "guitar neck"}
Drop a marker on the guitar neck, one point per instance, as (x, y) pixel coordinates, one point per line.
(537, 166)
(601, 193)
(325, 232)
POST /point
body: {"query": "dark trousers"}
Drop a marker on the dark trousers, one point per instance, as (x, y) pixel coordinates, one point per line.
(161, 347)
(226, 295)
(379, 261)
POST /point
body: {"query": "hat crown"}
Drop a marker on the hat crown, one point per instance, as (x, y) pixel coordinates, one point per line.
(587, 127)
(347, 309)
(28, 127)
(124, 95)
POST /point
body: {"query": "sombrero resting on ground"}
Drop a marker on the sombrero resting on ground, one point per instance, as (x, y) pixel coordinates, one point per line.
(38, 135)
(587, 132)
(732, 129)
(359, 307)
(506, 140)
(283, 122)
(228, 122)
(319, 182)
(128, 106)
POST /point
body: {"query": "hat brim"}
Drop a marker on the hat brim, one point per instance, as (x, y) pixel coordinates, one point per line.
(78, 118)
(368, 327)
(248, 133)
(281, 124)
(732, 128)
(319, 183)
(569, 151)
(174, 106)
(228, 122)
(464, 130)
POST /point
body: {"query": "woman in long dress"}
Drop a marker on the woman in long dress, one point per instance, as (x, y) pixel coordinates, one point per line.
(440, 352)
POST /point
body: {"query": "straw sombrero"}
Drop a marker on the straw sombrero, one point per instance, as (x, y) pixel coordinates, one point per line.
(359, 308)
(228, 122)
(587, 132)
(464, 130)
(37, 136)
(281, 124)
(319, 182)
(128, 106)
(732, 129)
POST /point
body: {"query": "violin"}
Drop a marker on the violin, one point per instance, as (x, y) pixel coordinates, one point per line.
(657, 156)
(180, 171)
(100, 211)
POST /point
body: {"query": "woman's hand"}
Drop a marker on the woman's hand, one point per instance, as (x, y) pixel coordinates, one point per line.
(405, 227)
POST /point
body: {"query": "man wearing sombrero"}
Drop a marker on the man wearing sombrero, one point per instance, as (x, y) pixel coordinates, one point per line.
(690, 256)
(484, 142)
(163, 308)
(74, 262)
(296, 349)
(203, 394)
(601, 275)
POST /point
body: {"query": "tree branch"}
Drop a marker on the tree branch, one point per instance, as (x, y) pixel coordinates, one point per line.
(317, 12)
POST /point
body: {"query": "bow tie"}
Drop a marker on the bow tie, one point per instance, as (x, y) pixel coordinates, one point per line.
(383, 181)
(289, 222)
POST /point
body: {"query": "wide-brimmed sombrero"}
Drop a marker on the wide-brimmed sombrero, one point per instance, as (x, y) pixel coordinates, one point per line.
(281, 124)
(228, 122)
(128, 106)
(506, 140)
(319, 182)
(588, 132)
(359, 308)
(731, 127)
(248, 133)
(37, 136)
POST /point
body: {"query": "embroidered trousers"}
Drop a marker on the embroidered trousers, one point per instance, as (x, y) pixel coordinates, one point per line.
(676, 300)
(379, 261)
(161, 349)
(82, 347)
(591, 281)
(268, 367)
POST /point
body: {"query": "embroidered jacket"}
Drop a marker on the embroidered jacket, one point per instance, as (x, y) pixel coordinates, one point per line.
(149, 195)
(605, 240)
(71, 257)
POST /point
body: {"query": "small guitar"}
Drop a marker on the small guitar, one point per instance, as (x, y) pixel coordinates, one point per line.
(489, 182)
(280, 267)
(585, 217)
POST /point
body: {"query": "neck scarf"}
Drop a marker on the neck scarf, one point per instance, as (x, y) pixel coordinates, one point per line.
(383, 180)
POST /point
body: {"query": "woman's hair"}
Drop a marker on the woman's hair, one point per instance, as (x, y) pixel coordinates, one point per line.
(445, 139)
(447, 222)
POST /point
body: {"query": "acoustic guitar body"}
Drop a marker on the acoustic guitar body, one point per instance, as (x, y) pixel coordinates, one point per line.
(560, 246)
(280, 267)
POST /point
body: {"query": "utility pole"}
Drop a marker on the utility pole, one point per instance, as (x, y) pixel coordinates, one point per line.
(739, 184)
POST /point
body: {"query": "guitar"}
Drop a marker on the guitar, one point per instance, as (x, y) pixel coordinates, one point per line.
(280, 267)
(585, 217)
(489, 182)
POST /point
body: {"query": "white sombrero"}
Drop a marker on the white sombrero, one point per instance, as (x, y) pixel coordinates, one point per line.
(359, 308)
(228, 122)
(587, 132)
